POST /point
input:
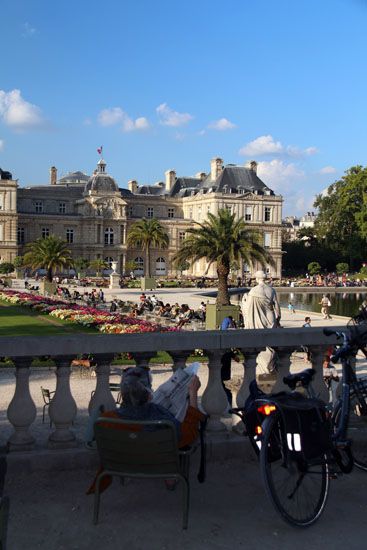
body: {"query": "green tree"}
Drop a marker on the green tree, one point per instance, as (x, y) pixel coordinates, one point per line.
(80, 264)
(314, 268)
(222, 240)
(342, 219)
(145, 234)
(18, 262)
(341, 268)
(98, 265)
(6, 268)
(51, 253)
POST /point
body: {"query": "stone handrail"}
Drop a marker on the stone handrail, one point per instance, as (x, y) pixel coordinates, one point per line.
(63, 349)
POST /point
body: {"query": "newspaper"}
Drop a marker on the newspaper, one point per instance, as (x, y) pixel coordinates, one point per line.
(173, 394)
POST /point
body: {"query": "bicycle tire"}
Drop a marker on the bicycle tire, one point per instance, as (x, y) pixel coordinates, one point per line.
(299, 502)
(357, 428)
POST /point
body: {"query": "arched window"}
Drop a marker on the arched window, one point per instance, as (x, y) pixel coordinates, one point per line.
(109, 261)
(108, 236)
(139, 266)
(160, 266)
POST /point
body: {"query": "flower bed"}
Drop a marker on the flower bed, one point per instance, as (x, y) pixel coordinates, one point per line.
(108, 323)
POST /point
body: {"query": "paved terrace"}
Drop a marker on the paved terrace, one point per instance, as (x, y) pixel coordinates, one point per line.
(47, 482)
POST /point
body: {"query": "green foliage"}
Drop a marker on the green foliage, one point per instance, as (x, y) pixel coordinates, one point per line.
(98, 265)
(342, 219)
(51, 253)
(297, 257)
(183, 266)
(80, 264)
(341, 268)
(222, 240)
(144, 234)
(6, 268)
(18, 262)
(314, 268)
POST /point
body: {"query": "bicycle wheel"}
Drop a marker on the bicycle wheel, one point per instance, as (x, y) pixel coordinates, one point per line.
(357, 427)
(298, 490)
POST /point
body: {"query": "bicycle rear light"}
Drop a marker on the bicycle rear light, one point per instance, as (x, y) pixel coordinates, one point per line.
(266, 409)
(258, 430)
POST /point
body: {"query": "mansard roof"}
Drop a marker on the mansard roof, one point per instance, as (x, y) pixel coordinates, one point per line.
(74, 178)
(155, 190)
(234, 179)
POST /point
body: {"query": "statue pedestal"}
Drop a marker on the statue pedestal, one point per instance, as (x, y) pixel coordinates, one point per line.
(215, 315)
(114, 280)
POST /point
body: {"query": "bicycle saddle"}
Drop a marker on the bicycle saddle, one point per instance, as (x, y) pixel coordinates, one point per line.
(304, 377)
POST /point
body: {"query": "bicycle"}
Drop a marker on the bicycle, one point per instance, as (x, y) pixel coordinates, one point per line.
(301, 442)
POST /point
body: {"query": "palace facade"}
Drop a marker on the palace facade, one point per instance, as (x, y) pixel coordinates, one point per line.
(93, 214)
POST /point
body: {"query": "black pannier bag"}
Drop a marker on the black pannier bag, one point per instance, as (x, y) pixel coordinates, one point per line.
(307, 425)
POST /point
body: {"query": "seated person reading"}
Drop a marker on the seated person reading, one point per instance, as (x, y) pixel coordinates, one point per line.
(137, 405)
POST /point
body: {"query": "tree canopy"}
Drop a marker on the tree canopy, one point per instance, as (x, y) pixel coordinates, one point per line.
(145, 234)
(342, 219)
(51, 253)
(222, 240)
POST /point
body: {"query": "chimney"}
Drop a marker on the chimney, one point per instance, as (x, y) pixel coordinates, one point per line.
(53, 175)
(170, 179)
(216, 167)
(133, 186)
(201, 176)
(253, 166)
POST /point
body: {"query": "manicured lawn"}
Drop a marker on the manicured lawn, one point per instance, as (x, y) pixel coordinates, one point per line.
(21, 321)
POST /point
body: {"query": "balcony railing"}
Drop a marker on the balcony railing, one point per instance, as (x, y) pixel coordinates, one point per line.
(21, 412)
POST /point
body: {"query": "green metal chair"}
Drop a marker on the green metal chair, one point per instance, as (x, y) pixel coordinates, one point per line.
(141, 449)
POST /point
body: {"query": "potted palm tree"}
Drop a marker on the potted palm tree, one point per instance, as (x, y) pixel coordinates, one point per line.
(144, 234)
(222, 240)
(98, 265)
(50, 254)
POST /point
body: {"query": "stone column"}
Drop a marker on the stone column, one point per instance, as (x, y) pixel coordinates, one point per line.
(62, 409)
(179, 359)
(214, 400)
(319, 386)
(102, 394)
(249, 366)
(283, 368)
(142, 358)
(22, 410)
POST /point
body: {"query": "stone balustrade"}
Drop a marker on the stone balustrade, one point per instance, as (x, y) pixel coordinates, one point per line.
(63, 409)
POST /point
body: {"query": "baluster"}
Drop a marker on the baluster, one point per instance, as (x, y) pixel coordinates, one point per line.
(142, 358)
(214, 400)
(62, 409)
(179, 359)
(22, 410)
(249, 366)
(283, 368)
(102, 394)
(319, 386)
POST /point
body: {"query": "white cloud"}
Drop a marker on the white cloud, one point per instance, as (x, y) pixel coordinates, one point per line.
(110, 117)
(327, 170)
(222, 124)
(1, 144)
(266, 145)
(18, 113)
(115, 115)
(28, 30)
(263, 145)
(87, 121)
(169, 117)
(279, 175)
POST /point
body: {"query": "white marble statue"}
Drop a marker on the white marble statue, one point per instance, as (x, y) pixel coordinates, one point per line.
(261, 309)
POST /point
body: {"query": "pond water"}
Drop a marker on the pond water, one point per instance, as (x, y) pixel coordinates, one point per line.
(341, 303)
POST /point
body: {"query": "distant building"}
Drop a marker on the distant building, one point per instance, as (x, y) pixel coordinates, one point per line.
(291, 224)
(93, 214)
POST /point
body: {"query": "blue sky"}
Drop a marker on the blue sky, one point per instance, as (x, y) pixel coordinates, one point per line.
(169, 85)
